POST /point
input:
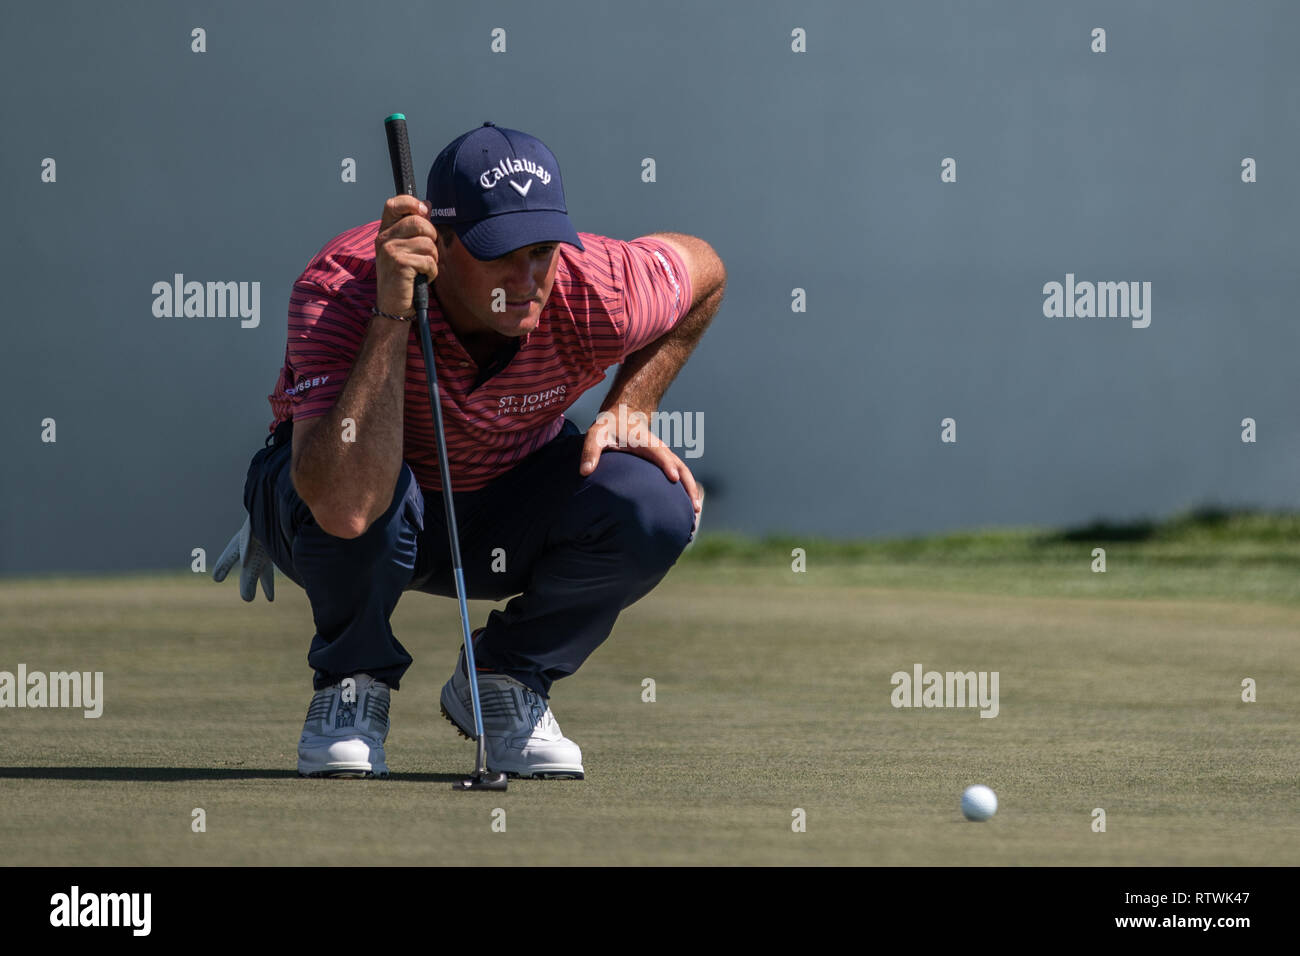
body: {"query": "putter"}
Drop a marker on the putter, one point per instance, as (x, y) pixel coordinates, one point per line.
(399, 152)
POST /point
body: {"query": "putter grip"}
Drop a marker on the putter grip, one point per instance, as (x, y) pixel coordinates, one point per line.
(399, 154)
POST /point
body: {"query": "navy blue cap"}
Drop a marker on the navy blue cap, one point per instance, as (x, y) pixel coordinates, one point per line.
(499, 190)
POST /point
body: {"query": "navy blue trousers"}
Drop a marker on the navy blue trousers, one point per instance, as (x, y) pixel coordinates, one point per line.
(572, 550)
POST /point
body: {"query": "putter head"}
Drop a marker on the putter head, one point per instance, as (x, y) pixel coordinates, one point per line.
(484, 781)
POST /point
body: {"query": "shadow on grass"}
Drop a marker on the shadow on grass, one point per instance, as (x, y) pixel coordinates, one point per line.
(1107, 531)
(170, 774)
(1206, 517)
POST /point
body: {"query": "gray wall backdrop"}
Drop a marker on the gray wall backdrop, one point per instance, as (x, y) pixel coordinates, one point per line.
(817, 170)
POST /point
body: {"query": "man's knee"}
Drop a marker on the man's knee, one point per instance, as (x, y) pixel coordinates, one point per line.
(654, 516)
(395, 532)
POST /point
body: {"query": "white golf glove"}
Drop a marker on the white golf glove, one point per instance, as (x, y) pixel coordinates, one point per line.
(254, 564)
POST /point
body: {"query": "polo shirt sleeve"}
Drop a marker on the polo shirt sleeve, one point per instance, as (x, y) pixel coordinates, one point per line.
(654, 292)
(325, 335)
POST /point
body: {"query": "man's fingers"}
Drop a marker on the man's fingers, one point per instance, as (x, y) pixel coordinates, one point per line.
(268, 581)
(254, 561)
(688, 482)
(257, 567)
(676, 470)
(398, 207)
(408, 245)
(660, 454)
(420, 261)
(227, 560)
(410, 229)
(640, 441)
(248, 580)
(411, 250)
(591, 449)
(695, 526)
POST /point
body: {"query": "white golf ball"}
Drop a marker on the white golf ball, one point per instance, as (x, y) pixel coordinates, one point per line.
(979, 803)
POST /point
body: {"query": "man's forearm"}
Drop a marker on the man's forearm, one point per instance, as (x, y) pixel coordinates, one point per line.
(350, 483)
(645, 375)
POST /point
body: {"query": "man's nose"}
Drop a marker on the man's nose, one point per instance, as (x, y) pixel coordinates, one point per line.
(521, 271)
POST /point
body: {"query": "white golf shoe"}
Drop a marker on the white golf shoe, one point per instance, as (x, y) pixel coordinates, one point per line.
(522, 736)
(345, 738)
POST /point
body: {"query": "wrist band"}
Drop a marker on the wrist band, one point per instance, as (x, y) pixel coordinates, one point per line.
(389, 315)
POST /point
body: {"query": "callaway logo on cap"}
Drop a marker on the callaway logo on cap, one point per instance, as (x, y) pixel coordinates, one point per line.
(499, 190)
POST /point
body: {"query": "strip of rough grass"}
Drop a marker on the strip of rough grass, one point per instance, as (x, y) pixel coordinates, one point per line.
(1241, 555)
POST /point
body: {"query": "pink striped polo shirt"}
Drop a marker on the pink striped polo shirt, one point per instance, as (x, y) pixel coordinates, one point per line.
(607, 302)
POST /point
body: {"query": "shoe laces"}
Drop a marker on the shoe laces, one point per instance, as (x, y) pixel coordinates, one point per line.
(540, 711)
(369, 708)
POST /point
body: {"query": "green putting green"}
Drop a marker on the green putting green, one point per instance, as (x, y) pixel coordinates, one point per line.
(773, 690)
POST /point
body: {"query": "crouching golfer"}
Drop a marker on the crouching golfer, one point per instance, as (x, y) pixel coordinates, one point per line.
(346, 500)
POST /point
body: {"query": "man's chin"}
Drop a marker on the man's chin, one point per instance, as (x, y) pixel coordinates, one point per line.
(521, 326)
